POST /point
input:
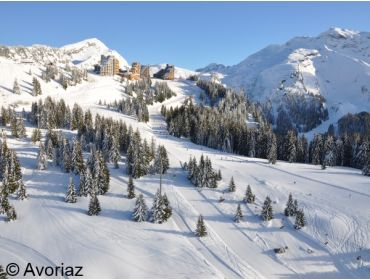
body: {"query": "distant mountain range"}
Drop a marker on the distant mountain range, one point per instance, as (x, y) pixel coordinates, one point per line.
(334, 65)
(310, 81)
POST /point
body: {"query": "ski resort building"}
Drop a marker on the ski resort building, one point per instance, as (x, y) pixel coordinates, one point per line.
(167, 73)
(109, 65)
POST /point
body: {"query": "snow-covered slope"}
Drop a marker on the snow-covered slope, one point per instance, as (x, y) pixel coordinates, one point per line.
(85, 53)
(335, 65)
(50, 232)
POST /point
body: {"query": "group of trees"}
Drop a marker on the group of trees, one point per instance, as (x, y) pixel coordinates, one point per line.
(142, 94)
(222, 127)
(11, 180)
(104, 138)
(202, 174)
(15, 120)
(67, 76)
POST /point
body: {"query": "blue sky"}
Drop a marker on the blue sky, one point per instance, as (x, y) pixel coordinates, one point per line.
(187, 34)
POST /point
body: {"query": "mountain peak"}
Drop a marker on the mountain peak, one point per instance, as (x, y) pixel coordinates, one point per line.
(339, 33)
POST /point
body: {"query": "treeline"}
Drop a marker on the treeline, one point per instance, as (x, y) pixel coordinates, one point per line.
(352, 124)
(299, 112)
(223, 126)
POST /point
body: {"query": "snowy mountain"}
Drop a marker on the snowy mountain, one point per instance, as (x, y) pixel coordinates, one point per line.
(334, 65)
(84, 54)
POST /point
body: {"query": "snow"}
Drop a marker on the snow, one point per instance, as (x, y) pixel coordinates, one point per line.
(87, 53)
(50, 232)
(334, 64)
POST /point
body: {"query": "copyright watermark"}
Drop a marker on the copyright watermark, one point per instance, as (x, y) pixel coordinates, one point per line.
(13, 269)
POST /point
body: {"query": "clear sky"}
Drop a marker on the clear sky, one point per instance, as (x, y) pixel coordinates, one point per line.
(187, 34)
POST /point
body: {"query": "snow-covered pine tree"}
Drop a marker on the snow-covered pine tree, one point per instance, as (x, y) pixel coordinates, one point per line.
(36, 90)
(272, 149)
(201, 229)
(167, 207)
(36, 135)
(22, 194)
(77, 159)
(3, 274)
(249, 196)
(67, 156)
(71, 193)
(42, 161)
(158, 211)
(90, 185)
(11, 215)
(94, 206)
(267, 212)
(219, 176)
(290, 209)
(232, 186)
(238, 215)
(161, 161)
(300, 220)
(114, 152)
(21, 128)
(82, 187)
(16, 88)
(291, 146)
(295, 208)
(14, 126)
(366, 168)
(140, 212)
(330, 153)
(130, 188)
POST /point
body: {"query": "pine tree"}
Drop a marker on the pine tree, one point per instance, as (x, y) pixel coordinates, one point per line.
(83, 189)
(167, 207)
(249, 196)
(238, 215)
(71, 193)
(78, 164)
(67, 157)
(219, 176)
(158, 211)
(290, 209)
(16, 88)
(140, 212)
(366, 168)
(130, 188)
(291, 146)
(267, 212)
(114, 152)
(94, 206)
(11, 214)
(300, 220)
(36, 135)
(232, 186)
(22, 191)
(201, 229)
(161, 161)
(272, 149)
(42, 162)
(3, 274)
(36, 90)
(295, 208)
(21, 128)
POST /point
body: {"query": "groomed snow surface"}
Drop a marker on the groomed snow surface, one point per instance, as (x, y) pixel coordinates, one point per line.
(49, 231)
